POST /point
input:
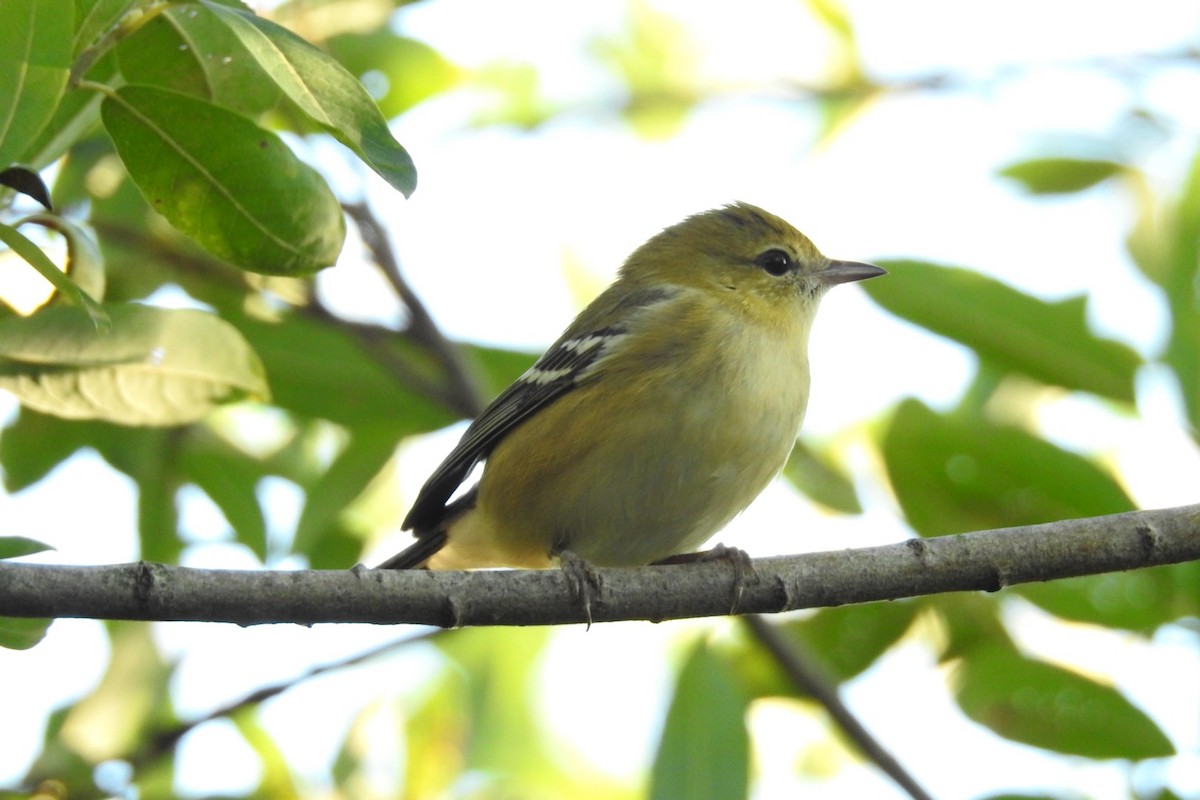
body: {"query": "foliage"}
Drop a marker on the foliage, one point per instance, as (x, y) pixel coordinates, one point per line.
(182, 144)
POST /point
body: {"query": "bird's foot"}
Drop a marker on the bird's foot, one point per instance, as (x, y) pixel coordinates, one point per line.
(586, 583)
(738, 559)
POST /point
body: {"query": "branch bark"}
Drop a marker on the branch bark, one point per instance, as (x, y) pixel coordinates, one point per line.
(984, 560)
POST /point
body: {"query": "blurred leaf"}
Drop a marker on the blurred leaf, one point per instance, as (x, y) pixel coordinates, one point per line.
(131, 701)
(705, 748)
(229, 477)
(188, 49)
(411, 71)
(276, 779)
(17, 546)
(35, 58)
(84, 264)
(325, 91)
(1141, 600)
(154, 367)
(1060, 175)
(320, 371)
(27, 182)
(34, 443)
(367, 452)
(22, 633)
(235, 188)
(1050, 342)
(498, 367)
(1049, 707)
(69, 290)
(656, 60)
(435, 736)
(822, 479)
(850, 639)
(953, 474)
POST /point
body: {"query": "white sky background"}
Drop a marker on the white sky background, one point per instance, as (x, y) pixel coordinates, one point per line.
(484, 241)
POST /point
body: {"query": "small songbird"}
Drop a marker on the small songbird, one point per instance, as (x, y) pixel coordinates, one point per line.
(666, 407)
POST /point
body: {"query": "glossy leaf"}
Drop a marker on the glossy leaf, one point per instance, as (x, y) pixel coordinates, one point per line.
(154, 367)
(188, 49)
(1053, 708)
(1060, 175)
(233, 187)
(705, 748)
(325, 91)
(35, 58)
(822, 479)
(1050, 342)
(953, 473)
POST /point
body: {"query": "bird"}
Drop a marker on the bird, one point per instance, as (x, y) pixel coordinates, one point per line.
(668, 404)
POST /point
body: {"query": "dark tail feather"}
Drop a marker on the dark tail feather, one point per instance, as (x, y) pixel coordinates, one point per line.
(416, 554)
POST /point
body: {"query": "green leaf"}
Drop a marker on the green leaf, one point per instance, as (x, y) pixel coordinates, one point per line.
(953, 473)
(1053, 708)
(22, 633)
(818, 476)
(17, 546)
(230, 478)
(35, 58)
(851, 638)
(233, 187)
(325, 91)
(413, 70)
(154, 367)
(188, 49)
(33, 255)
(84, 264)
(1140, 600)
(705, 748)
(1050, 342)
(350, 387)
(1060, 175)
(347, 477)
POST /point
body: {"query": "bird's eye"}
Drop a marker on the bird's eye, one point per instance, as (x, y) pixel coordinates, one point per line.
(775, 262)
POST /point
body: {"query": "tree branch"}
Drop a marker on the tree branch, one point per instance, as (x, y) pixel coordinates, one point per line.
(807, 675)
(985, 560)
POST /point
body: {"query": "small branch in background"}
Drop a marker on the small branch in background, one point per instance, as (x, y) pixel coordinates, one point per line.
(466, 396)
(165, 741)
(801, 667)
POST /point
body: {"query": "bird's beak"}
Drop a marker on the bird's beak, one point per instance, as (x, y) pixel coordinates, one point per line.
(847, 271)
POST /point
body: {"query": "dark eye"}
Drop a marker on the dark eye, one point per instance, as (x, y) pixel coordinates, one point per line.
(775, 262)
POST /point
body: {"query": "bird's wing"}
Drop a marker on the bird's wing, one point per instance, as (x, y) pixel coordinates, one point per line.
(570, 361)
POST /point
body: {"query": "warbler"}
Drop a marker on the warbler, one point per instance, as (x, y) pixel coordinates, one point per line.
(661, 412)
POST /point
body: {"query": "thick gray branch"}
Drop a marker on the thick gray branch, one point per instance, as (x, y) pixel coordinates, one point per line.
(985, 560)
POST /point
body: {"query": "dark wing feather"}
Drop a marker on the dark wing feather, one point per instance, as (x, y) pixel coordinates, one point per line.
(558, 371)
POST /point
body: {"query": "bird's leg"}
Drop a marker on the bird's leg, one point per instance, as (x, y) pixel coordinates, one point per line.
(585, 582)
(739, 560)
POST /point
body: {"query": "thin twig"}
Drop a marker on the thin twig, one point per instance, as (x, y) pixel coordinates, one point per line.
(803, 669)
(468, 399)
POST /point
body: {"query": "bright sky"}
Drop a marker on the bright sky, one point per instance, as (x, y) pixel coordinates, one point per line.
(499, 213)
